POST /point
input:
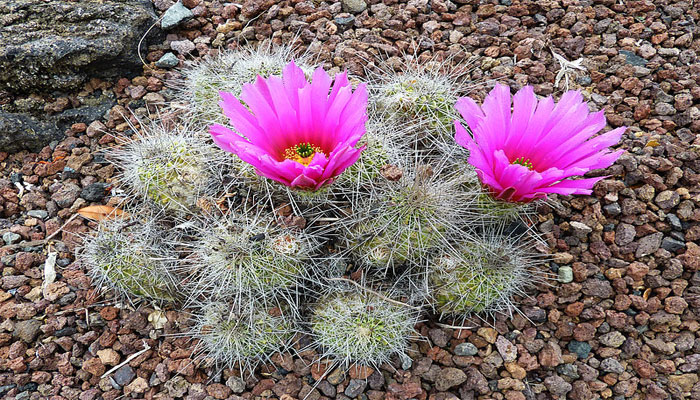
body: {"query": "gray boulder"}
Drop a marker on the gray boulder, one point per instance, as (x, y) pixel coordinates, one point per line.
(31, 129)
(48, 45)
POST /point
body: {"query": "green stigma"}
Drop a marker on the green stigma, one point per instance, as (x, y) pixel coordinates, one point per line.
(305, 150)
(523, 161)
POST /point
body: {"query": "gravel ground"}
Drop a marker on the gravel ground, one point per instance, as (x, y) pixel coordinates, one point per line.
(621, 323)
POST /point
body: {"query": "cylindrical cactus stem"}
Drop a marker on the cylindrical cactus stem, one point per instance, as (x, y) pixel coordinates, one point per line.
(126, 256)
(352, 325)
(241, 335)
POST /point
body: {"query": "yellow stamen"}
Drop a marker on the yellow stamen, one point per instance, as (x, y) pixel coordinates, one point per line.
(302, 153)
(524, 162)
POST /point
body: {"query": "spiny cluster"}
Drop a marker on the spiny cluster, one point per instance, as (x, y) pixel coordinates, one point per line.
(173, 168)
(258, 264)
(355, 326)
(242, 257)
(243, 334)
(126, 255)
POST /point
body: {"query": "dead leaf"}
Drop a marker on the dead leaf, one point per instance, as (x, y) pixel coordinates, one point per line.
(49, 271)
(98, 213)
(158, 319)
(653, 143)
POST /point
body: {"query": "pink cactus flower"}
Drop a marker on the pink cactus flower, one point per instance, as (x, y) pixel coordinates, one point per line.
(297, 133)
(525, 154)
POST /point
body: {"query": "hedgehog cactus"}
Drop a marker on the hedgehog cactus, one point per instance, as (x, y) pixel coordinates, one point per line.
(175, 171)
(480, 276)
(243, 335)
(248, 258)
(407, 218)
(420, 98)
(126, 257)
(353, 326)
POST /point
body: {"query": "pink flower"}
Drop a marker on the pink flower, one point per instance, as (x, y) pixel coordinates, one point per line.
(524, 154)
(297, 133)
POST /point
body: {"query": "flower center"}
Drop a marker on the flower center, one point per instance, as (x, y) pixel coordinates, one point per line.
(302, 153)
(523, 161)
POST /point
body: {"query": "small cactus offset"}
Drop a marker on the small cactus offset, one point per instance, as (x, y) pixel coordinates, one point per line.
(241, 335)
(276, 202)
(481, 276)
(407, 218)
(127, 257)
(355, 326)
(420, 97)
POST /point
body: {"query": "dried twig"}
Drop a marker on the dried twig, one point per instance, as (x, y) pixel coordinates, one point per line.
(441, 325)
(566, 67)
(131, 357)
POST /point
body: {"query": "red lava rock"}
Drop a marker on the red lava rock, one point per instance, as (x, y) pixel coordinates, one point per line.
(574, 309)
(264, 384)
(17, 365)
(360, 372)
(550, 355)
(675, 305)
(407, 390)
(94, 366)
(109, 313)
(218, 391)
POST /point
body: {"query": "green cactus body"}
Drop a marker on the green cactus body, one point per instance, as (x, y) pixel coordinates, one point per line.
(256, 261)
(419, 99)
(362, 328)
(244, 335)
(405, 229)
(480, 277)
(173, 179)
(128, 264)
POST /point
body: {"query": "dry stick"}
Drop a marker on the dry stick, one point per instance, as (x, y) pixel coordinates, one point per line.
(441, 325)
(375, 293)
(138, 48)
(131, 357)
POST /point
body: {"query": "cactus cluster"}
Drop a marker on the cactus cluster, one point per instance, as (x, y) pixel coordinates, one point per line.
(409, 211)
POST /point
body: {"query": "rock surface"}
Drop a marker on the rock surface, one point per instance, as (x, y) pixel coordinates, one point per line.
(32, 129)
(59, 45)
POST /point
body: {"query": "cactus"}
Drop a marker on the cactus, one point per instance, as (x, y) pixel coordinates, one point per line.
(404, 220)
(481, 276)
(350, 325)
(244, 334)
(420, 98)
(250, 257)
(176, 170)
(229, 71)
(125, 256)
